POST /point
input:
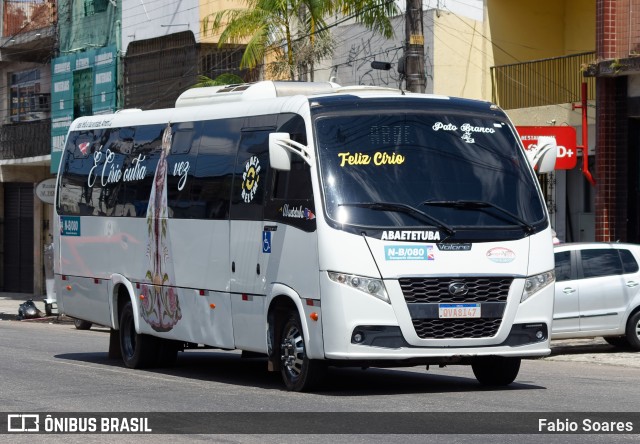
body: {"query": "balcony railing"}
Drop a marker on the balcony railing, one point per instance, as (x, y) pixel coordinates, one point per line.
(29, 139)
(541, 82)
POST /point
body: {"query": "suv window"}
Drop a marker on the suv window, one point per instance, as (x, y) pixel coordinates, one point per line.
(563, 266)
(628, 261)
(600, 262)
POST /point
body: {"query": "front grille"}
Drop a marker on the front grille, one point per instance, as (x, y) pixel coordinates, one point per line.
(436, 290)
(456, 328)
(427, 293)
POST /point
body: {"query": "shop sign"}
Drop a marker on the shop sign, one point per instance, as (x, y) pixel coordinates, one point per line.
(46, 190)
(565, 137)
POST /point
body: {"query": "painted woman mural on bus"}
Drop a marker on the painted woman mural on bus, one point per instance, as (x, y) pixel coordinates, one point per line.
(160, 306)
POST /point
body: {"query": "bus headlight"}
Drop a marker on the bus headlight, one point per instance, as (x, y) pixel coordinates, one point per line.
(371, 286)
(536, 283)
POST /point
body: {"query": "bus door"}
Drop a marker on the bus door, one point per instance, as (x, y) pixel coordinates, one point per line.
(248, 247)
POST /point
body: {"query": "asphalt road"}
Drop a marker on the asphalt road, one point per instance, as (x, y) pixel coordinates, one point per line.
(52, 367)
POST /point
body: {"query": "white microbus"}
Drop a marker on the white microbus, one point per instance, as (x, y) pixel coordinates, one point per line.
(314, 224)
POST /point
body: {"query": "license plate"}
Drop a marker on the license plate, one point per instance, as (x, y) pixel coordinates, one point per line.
(457, 311)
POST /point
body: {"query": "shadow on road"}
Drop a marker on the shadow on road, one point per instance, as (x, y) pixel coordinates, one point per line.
(230, 368)
(583, 346)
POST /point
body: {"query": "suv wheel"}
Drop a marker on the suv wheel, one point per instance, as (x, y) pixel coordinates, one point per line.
(633, 330)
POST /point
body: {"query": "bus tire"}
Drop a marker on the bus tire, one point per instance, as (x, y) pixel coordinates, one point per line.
(299, 373)
(496, 370)
(138, 350)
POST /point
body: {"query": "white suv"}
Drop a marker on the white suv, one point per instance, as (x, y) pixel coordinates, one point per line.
(598, 292)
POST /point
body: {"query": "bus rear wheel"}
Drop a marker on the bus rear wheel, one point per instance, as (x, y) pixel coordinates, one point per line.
(298, 371)
(496, 370)
(138, 350)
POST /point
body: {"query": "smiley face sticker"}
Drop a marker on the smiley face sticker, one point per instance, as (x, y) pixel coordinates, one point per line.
(250, 179)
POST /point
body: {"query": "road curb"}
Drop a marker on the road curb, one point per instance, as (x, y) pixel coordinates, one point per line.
(55, 319)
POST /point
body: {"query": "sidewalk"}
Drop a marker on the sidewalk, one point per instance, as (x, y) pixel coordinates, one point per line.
(10, 302)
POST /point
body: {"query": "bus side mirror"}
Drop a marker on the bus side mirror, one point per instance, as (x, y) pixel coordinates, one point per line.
(543, 155)
(279, 155)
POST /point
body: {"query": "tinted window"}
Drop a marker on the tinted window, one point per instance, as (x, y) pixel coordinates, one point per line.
(75, 195)
(250, 175)
(109, 172)
(181, 165)
(140, 167)
(563, 266)
(211, 188)
(600, 262)
(628, 261)
(113, 156)
(296, 183)
(426, 157)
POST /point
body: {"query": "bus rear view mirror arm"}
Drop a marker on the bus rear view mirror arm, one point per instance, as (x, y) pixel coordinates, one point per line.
(543, 156)
(280, 148)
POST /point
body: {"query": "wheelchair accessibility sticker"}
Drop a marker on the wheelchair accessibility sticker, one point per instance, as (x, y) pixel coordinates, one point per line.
(266, 241)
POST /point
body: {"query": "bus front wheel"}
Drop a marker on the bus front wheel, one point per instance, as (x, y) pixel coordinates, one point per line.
(138, 350)
(298, 371)
(496, 370)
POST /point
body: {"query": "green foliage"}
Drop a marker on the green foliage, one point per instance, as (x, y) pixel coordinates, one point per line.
(222, 79)
(294, 31)
(374, 14)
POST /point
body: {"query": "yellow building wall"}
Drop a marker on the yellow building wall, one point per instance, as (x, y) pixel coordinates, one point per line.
(580, 26)
(526, 30)
(207, 8)
(459, 67)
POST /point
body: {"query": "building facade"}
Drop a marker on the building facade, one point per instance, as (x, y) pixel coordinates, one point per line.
(550, 48)
(616, 70)
(62, 59)
(538, 55)
(26, 46)
(454, 62)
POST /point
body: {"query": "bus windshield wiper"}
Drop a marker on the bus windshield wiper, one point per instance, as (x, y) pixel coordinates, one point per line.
(402, 208)
(480, 205)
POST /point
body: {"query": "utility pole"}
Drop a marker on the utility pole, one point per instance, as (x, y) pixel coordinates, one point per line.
(414, 49)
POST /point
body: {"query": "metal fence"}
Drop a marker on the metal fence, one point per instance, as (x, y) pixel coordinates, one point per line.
(541, 82)
(29, 139)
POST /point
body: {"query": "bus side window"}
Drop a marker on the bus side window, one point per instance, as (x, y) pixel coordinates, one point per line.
(75, 196)
(147, 147)
(116, 146)
(250, 175)
(296, 183)
(211, 187)
(181, 164)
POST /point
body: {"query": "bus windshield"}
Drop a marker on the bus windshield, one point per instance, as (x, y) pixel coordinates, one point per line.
(458, 171)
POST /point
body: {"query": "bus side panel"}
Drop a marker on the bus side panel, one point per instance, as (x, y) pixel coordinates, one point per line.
(188, 315)
(86, 299)
(199, 250)
(293, 262)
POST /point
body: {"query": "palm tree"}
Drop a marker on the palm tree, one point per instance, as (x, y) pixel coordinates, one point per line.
(269, 27)
(222, 79)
